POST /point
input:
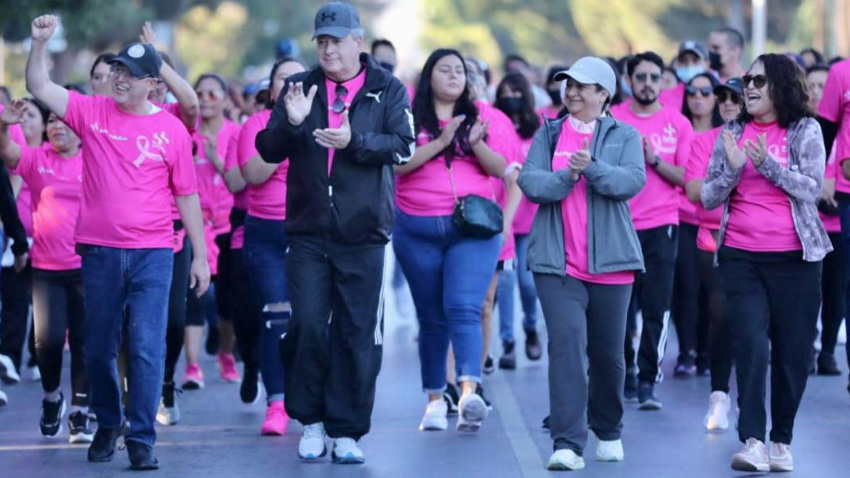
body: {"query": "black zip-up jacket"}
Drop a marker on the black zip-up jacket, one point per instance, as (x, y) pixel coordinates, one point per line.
(354, 205)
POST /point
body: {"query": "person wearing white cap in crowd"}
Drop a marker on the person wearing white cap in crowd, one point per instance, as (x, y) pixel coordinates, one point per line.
(585, 168)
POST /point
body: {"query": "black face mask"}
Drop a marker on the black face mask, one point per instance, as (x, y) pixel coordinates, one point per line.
(387, 66)
(714, 61)
(511, 105)
(556, 97)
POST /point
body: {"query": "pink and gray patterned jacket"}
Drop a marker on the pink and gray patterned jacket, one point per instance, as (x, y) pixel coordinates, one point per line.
(801, 181)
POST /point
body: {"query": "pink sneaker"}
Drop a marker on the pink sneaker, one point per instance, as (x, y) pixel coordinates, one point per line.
(194, 378)
(227, 367)
(276, 420)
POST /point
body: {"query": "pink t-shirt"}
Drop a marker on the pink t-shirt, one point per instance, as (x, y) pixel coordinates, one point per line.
(835, 106)
(697, 168)
(427, 191)
(574, 210)
(215, 197)
(335, 120)
(832, 224)
(673, 98)
(527, 209)
(133, 166)
(760, 213)
(240, 199)
(550, 111)
(56, 185)
(24, 205)
(267, 200)
(671, 134)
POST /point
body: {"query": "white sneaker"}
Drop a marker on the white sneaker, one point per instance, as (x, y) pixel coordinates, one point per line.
(346, 452)
(312, 444)
(780, 457)
(565, 460)
(609, 451)
(168, 416)
(752, 458)
(717, 416)
(3, 399)
(8, 373)
(435, 416)
(472, 410)
(35, 374)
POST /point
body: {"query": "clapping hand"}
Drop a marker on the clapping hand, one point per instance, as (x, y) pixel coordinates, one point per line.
(756, 151)
(298, 106)
(734, 155)
(335, 138)
(580, 160)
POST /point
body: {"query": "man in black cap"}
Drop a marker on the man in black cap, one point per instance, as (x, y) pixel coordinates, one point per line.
(342, 127)
(137, 159)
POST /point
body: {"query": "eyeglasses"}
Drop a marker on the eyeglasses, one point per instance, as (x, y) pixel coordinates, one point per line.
(654, 77)
(758, 80)
(119, 71)
(210, 95)
(339, 103)
(724, 95)
(705, 91)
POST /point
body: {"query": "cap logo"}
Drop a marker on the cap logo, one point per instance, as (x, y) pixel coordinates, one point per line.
(136, 51)
(327, 15)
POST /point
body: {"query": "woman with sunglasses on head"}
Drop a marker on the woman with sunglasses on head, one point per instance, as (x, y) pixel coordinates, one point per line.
(212, 140)
(689, 306)
(448, 271)
(584, 251)
(711, 302)
(767, 169)
(265, 251)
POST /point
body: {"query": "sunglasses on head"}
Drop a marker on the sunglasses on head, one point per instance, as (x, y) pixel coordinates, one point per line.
(210, 95)
(758, 80)
(339, 103)
(724, 95)
(642, 77)
(705, 91)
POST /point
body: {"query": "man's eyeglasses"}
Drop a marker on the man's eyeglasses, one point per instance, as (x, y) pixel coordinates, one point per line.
(119, 71)
(339, 103)
(654, 77)
(724, 95)
(758, 80)
(705, 91)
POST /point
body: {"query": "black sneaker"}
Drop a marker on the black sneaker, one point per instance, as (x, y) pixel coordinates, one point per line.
(141, 456)
(630, 389)
(452, 398)
(533, 350)
(828, 366)
(646, 397)
(51, 416)
(686, 366)
(508, 359)
(489, 366)
(546, 425)
(103, 446)
(703, 366)
(249, 391)
(479, 390)
(78, 425)
(212, 343)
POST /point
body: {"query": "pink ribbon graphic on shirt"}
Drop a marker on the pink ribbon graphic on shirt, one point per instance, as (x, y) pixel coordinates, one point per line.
(144, 145)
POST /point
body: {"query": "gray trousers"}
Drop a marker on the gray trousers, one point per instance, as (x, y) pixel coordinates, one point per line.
(586, 324)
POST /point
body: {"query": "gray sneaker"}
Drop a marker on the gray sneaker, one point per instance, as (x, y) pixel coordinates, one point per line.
(752, 458)
(780, 457)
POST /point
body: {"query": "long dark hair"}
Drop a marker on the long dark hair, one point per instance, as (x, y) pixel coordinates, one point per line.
(212, 76)
(425, 115)
(102, 58)
(716, 119)
(275, 67)
(787, 90)
(528, 120)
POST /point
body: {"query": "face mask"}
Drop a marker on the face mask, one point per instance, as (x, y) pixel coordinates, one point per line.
(512, 105)
(387, 66)
(686, 73)
(624, 85)
(715, 61)
(556, 97)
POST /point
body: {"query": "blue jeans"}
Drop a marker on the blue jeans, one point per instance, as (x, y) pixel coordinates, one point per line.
(448, 275)
(136, 281)
(527, 293)
(265, 254)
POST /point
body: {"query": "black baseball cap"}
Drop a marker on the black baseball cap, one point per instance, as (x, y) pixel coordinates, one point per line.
(336, 19)
(141, 59)
(735, 85)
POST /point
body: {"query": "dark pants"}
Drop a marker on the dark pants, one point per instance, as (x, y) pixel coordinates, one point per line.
(685, 308)
(586, 324)
(15, 296)
(57, 307)
(265, 251)
(333, 381)
(773, 299)
(833, 288)
(176, 332)
(652, 294)
(136, 281)
(721, 343)
(246, 317)
(224, 281)
(844, 211)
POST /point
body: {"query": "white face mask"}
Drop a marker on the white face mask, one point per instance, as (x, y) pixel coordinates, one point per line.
(686, 73)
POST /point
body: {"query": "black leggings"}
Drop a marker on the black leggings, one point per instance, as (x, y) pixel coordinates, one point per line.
(176, 332)
(15, 295)
(833, 287)
(246, 317)
(57, 303)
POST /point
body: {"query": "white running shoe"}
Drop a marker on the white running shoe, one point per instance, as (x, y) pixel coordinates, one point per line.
(472, 410)
(609, 451)
(3, 399)
(8, 373)
(312, 444)
(435, 416)
(717, 416)
(346, 452)
(565, 460)
(167, 416)
(35, 374)
(752, 458)
(780, 457)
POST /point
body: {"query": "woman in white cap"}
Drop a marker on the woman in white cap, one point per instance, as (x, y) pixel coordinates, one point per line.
(584, 252)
